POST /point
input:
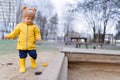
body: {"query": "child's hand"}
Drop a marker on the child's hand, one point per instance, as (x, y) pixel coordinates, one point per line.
(38, 40)
(6, 37)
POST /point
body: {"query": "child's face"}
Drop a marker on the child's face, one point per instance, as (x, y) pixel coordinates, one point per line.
(29, 20)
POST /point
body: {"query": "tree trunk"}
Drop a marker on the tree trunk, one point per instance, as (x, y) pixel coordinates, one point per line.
(94, 35)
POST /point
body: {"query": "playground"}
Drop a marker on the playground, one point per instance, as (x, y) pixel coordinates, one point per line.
(74, 40)
(9, 61)
(59, 67)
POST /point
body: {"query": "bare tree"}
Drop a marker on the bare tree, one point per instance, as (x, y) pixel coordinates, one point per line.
(118, 30)
(41, 22)
(100, 15)
(53, 28)
(68, 20)
(19, 5)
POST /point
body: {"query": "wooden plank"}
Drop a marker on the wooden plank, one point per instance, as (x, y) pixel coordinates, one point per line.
(93, 58)
(64, 70)
(53, 70)
(90, 51)
(92, 55)
(78, 44)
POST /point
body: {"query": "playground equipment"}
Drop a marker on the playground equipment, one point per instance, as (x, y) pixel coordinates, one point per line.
(59, 70)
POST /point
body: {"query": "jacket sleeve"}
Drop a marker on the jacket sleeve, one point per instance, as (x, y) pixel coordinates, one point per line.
(14, 33)
(37, 33)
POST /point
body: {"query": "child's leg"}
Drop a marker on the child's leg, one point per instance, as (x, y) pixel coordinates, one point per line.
(33, 56)
(22, 55)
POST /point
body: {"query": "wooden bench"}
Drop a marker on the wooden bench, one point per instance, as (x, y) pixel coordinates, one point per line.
(78, 44)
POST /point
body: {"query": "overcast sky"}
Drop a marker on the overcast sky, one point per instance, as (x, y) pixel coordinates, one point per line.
(58, 6)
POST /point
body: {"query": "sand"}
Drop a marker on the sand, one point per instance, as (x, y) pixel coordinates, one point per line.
(9, 66)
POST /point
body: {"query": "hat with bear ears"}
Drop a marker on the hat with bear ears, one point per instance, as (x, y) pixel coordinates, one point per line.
(29, 12)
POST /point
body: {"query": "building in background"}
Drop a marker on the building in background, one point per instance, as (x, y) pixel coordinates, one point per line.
(7, 16)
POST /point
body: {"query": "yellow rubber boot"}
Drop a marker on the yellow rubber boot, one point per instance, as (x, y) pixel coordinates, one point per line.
(22, 65)
(33, 63)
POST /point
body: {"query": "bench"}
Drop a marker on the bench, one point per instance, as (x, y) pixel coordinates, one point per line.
(77, 41)
(78, 44)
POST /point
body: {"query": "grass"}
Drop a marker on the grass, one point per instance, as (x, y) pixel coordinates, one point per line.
(9, 47)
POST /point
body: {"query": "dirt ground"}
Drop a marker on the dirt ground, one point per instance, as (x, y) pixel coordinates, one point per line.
(93, 71)
(9, 66)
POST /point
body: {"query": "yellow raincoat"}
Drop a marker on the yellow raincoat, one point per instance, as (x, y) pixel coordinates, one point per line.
(27, 36)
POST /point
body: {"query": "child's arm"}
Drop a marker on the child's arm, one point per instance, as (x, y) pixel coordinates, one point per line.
(13, 34)
(37, 34)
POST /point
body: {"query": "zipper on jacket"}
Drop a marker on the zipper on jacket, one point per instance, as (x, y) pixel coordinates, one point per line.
(27, 37)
